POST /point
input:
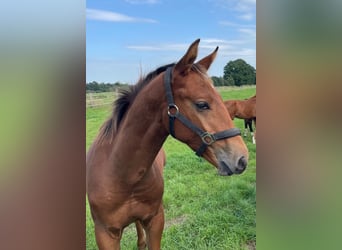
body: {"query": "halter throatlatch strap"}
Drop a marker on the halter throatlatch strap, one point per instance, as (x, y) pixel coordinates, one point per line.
(173, 112)
(172, 109)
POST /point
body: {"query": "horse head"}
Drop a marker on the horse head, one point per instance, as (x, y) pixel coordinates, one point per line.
(198, 117)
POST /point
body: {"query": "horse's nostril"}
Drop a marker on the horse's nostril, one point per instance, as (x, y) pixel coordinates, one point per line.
(242, 163)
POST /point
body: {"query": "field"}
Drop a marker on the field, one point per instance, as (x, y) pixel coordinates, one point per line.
(202, 209)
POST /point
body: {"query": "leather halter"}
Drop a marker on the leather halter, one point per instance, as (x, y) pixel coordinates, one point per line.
(173, 112)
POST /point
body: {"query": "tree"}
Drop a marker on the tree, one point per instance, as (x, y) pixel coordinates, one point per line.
(217, 81)
(220, 81)
(239, 73)
(229, 81)
(92, 86)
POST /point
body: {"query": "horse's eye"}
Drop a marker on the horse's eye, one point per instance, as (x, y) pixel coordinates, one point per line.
(202, 105)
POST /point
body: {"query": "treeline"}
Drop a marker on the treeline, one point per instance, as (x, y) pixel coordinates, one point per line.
(235, 73)
(103, 87)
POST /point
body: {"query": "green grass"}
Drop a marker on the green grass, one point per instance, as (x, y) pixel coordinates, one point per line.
(202, 209)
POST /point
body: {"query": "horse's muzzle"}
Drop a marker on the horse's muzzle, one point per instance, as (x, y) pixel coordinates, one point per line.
(242, 164)
(225, 169)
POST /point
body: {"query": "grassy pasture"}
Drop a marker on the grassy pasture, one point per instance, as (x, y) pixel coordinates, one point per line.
(99, 99)
(202, 209)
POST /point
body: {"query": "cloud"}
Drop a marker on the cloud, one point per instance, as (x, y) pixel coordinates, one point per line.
(232, 24)
(245, 5)
(212, 40)
(208, 43)
(144, 47)
(247, 9)
(243, 9)
(243, 52)
(170, 46)
(108, 16)
(228, 23)
(247, 16)
(242, 28)
(160, 47)
(250, 32)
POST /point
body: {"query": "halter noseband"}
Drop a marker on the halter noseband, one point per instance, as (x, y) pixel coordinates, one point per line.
(173, 112)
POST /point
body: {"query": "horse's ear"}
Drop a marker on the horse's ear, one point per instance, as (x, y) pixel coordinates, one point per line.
(184, 64)
(206, 61)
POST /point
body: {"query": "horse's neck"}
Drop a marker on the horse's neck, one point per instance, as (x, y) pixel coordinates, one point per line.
(141, 134)
(234, 109)
(240, 107)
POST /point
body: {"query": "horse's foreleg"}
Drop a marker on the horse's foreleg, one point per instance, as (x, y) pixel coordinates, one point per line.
(154, 230)
(141, 236)
(107, 239)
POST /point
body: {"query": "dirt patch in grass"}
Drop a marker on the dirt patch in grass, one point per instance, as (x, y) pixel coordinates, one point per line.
(251, 245)
(175, 221)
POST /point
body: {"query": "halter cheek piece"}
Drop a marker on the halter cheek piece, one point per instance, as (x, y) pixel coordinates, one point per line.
(173, 112)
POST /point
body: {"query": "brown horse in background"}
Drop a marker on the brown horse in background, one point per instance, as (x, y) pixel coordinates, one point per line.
(243, 109)
(124, 177)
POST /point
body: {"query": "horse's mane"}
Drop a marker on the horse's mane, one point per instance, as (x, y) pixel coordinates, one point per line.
(124, 101)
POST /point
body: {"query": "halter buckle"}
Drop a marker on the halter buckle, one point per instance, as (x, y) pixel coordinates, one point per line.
(172, 110)
(208, 138)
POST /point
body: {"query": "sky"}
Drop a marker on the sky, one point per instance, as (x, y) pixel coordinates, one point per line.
(129, 38)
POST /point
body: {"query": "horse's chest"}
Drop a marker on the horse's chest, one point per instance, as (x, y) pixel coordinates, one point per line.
(124, 204)
(137, 206)
(143, 203)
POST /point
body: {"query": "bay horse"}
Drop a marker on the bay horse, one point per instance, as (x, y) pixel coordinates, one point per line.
(243, 109)
(124, 179)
